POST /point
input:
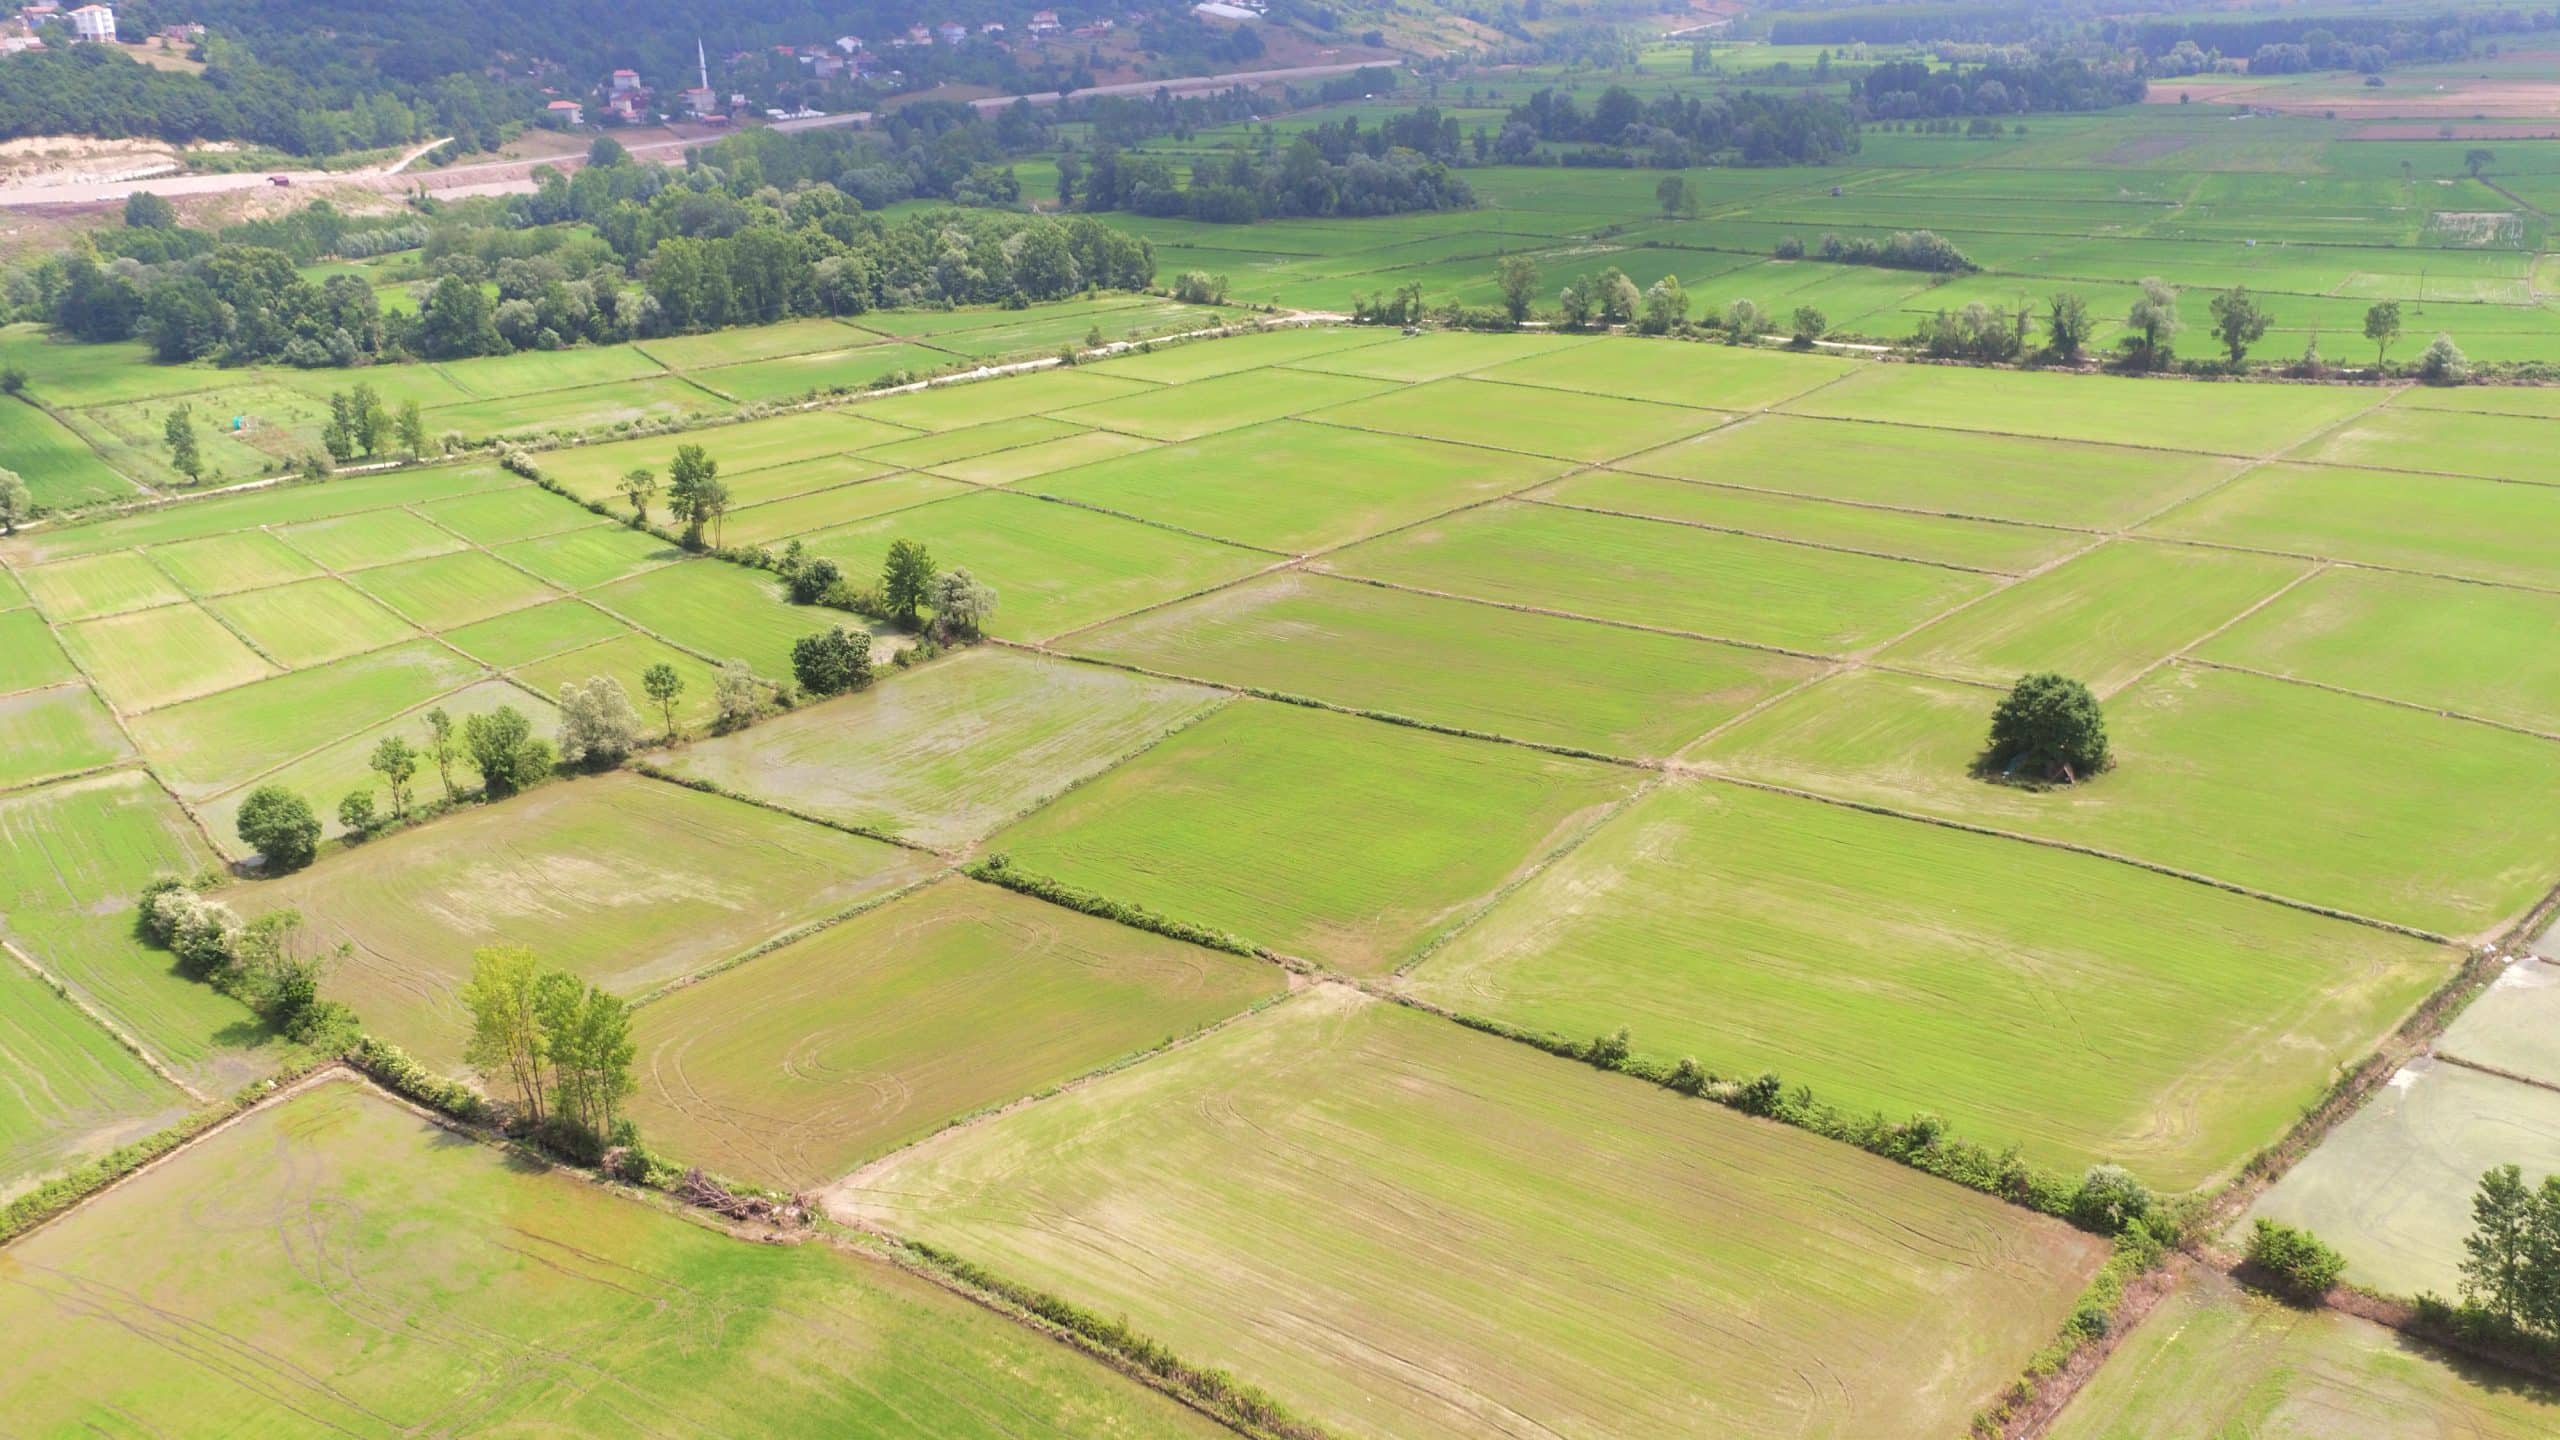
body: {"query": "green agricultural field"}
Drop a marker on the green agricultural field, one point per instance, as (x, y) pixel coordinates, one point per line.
(2391, 1187)
(73, 1092)
(60, 731)
(2474, 529)
(375, 537)
(467, 1288)
(1043, 392)
(777, 520)
(446, 591)
(942, 755)
(1413, 359)
(1298, 487)
(2497, 447)
(795, 479)
(60, 469)
(1712, 377)
(717, 611)
(2248, 420)
(148, 658)
(2315, 796)
(1867, 529)
(2476, 649)
(591, 471)
(1675, 577)
(945, 446)
(222, 740)
(29, 655)
(99, 585)
(1451, 662)
(530, 372)
(537, 632)
(624, 881)
(1225, 402)
(1054, 567)
(656, 399)
(797, 1066)
(753, 342)
(278, 505)
(222, 564)
(74, 857)
(310, 623)
(1023, 462)
(497, 517)
(627, 659)
(586, 558)
(1319, 1161)
(2078, 1008)
(790, 377)
(1237, 823)
(2103, 618)
(1202, 360)
(1559, 424)
(2214, 1359)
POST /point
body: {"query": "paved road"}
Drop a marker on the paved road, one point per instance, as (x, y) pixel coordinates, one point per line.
(501, 177)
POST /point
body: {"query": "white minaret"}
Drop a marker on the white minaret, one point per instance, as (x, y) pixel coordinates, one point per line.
(703, 61)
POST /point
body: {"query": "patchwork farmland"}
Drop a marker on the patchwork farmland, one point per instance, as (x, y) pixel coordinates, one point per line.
(1456, 890)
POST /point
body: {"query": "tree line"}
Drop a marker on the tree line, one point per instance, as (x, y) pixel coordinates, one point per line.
(1746, 127)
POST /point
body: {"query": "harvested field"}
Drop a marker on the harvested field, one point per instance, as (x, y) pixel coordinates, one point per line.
(430, 1236)
(799, 1065)
(624, 881)
(1280, 1200)
(944, 754)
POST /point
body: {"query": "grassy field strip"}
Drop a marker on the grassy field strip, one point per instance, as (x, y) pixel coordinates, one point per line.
(1712, 771)
(458, 1264)
(132, 1045)
(1281, 1198)
(2392, 700)
(1764, 535)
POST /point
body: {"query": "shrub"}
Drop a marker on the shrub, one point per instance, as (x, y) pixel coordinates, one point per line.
(280, 826)
(737, 697)
(2109, 1199)
(814, 580)
(2294, 1263)
(832, 661)
(2049, 725)
(2442, 363)
(1608, 1051)
(356, 812)
(1759, 1095)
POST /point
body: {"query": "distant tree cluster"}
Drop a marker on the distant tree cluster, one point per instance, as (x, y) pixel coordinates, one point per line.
(1911, 90)
(1675, 131)
(1337, 168)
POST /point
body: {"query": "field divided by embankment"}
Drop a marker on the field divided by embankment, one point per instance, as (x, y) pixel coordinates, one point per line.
(1564, 681)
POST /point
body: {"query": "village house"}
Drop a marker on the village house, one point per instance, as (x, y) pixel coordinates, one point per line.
(569, 112)
(93, 24)
(625, 81)
(1044, 23)
(951, 32)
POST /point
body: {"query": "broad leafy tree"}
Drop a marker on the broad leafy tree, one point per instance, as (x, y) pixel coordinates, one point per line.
(2049, 727)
